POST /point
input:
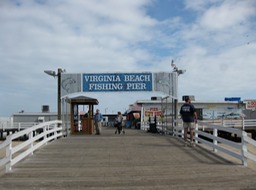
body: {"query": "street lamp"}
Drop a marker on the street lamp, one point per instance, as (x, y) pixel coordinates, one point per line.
(179, 72)
(171, 95)
(176, 69)
(58, 74)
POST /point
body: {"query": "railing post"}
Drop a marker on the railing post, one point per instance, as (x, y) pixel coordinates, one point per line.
(243, 123)
(173, 126)
(61, 125)
(45, 133)
(31, 142)
(244, 149)
(215, 142)
(8, 166)
(182, 131)
(55, 128)
(196, 134)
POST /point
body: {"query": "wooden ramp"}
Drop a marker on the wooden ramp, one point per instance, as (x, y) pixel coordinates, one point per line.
(137, 160)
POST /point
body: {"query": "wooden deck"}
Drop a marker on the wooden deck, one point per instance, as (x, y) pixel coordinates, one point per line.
(137, 160)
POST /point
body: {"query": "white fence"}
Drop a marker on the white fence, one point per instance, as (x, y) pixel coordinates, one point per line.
(38, 135)
(5, 122)
(17, 125)
(244, 124)
(234, 149)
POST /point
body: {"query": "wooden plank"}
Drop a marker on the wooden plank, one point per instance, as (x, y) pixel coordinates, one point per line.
(136, 160)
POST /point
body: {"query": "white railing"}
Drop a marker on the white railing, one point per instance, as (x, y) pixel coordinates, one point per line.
(233, 123)
(4, 124)
(249, 123)
(244, 124)
(237, 123)
(37, 135)
(234, 149)
(18, 125)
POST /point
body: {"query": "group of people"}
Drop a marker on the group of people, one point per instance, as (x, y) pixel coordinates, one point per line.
(98, 122)
(187, 112)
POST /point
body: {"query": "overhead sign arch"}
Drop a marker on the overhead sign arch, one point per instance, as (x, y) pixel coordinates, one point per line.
(85, 83)
(165, 82)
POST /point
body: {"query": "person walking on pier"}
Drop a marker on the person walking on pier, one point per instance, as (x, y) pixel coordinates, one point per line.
(189, 118)
(97, 122)
(119, 122)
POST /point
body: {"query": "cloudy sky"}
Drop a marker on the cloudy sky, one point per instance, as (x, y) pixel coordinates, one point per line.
(214, 40)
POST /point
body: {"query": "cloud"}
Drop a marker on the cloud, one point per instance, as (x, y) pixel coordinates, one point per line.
(101, 36)
(228, 14)
(216, 53)
(80, 36)
(200, 5)
(214, 76)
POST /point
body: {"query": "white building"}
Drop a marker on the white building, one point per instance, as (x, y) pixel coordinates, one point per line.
(160, 110)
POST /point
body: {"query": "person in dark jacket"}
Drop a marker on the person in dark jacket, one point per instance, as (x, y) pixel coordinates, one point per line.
(119, 123)
(189, 118)
(97, 122)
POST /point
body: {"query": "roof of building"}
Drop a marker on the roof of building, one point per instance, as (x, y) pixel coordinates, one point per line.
(134, 108)
(35, 113)
(181, 102)
(83, 100)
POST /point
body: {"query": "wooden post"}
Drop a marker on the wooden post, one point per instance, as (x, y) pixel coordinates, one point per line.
(244, 149)
(215, 142)
(8, 166)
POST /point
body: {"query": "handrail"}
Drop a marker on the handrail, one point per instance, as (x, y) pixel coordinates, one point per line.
(236, 150)
(18, 125)
(243, 124)
(48, 131)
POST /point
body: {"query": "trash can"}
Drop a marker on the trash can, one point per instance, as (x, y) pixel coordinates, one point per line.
(152, 128)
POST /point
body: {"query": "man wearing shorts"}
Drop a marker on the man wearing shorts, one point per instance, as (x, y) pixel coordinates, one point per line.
(189, 118)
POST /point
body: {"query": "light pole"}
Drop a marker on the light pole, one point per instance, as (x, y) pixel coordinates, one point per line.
(172, 97)
(58, 75)
(162, 100)
(179, 72)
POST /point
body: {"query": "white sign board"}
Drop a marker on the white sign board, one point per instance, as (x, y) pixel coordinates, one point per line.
(165, 82)
(251, 104)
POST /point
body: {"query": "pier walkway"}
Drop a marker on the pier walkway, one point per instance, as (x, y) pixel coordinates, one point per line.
(136, 161)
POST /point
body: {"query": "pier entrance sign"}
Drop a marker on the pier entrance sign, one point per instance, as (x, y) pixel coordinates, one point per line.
(119, 82)
(85, 83)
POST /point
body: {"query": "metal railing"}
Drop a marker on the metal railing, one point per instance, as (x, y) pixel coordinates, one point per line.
(237, 150)
(37, 136)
